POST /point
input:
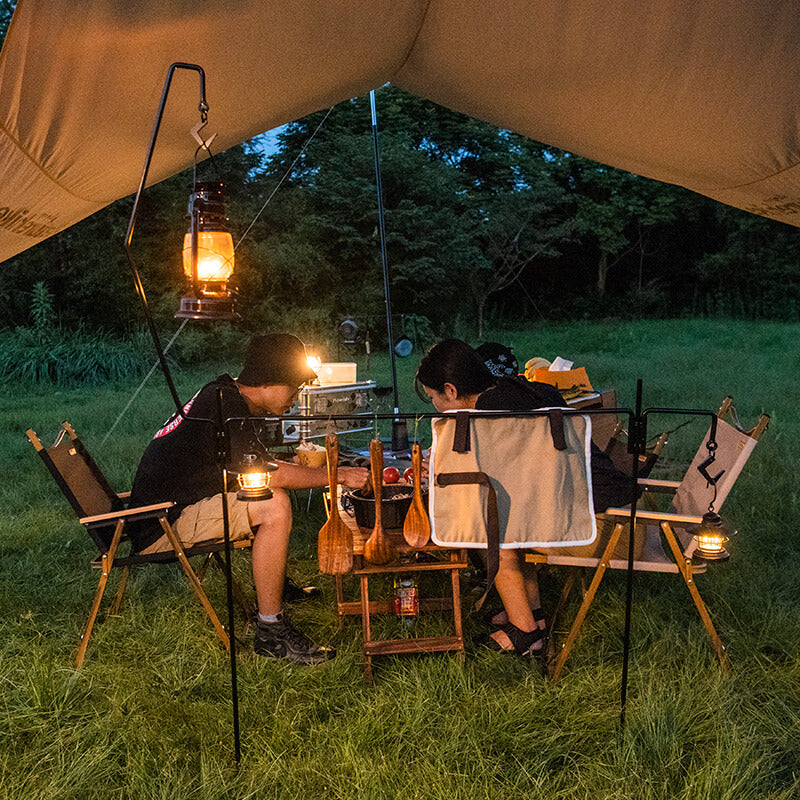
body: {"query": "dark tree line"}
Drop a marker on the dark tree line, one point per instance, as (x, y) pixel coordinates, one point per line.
(483, 227)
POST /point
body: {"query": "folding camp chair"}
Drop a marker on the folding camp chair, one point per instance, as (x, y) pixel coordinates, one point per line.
(691, 497)
(102, 512)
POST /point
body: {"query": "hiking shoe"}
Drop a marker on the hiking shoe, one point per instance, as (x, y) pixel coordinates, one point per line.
(281, 640)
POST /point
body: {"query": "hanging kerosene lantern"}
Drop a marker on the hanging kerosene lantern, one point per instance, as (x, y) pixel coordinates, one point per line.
(207, 256)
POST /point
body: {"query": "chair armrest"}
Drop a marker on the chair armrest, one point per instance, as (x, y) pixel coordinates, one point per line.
(654, 485)
(129, 513)
(655, 516)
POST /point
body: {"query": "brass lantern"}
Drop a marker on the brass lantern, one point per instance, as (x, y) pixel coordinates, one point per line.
(711, 537)
(253, 478)
(207, 256)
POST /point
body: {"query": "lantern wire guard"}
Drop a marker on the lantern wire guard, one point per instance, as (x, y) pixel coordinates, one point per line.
(207, 256)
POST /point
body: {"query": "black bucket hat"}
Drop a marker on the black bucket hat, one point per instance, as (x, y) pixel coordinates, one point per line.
(276, 359)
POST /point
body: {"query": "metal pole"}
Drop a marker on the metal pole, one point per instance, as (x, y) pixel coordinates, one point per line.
(222, 452)
(203, 108)
(399, 429)
(222, 439)
(637, 444)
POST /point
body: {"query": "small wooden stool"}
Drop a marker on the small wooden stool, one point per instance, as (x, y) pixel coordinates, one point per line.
(443, 558)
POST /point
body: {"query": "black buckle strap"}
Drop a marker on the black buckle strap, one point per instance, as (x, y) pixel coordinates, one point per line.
(461, 437)
(556, 416)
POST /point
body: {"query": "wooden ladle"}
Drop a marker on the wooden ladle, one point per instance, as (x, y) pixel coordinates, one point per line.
(378, 549)
(335, 541)
(417, 526)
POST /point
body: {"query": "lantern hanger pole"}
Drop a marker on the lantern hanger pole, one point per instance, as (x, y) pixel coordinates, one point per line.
(137, 281)
(218, 422)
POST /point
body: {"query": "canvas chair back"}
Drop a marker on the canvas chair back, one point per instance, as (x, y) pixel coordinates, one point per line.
(733, 449)
(550, 484)
(80, 479)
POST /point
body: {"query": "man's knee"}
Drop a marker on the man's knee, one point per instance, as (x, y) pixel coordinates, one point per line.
(277, 511)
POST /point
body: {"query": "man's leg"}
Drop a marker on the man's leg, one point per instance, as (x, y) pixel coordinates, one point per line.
(275, 636)
(272, 521)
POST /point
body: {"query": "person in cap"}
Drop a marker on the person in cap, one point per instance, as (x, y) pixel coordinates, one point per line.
(181, 464)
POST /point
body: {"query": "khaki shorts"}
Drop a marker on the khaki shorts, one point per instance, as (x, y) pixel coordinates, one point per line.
(202, 522)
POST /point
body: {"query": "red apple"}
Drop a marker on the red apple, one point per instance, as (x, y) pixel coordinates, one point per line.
(408, 475)
(391, 475)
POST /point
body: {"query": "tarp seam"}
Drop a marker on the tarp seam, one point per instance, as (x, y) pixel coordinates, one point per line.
(762, 179)
(416, 36)
(44, 172)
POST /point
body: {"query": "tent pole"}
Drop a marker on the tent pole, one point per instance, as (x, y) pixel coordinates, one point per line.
(399, 429)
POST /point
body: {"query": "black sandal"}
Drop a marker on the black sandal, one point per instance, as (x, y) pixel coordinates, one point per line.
(538, 616)
(522, 641)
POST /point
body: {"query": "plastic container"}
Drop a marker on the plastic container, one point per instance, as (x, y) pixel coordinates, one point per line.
(334, 373)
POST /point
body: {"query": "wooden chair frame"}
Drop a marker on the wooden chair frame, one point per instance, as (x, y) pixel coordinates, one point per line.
(653, 525)
(99, 508)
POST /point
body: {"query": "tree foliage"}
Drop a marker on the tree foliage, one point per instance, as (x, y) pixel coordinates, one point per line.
(482, 226)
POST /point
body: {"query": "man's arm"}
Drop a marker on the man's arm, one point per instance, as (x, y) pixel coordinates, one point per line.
(295, 476)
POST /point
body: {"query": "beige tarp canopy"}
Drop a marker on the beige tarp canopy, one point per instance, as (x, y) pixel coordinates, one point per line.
(701, 93)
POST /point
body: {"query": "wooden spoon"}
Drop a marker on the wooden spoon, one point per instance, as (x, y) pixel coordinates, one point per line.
(378, 549)
(335, 542)
(417, 526)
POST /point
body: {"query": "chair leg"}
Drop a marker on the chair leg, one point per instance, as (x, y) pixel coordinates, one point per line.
(365, 627)
(123, 582)
(687, 573)
(107, 564)
(201, 570)
(587, 602)
(569, 585)
(222, 634)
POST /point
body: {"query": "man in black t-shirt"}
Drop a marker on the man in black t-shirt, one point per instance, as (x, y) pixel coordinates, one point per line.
(181, 464)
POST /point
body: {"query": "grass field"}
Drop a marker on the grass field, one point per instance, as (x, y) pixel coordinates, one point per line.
(149, 714)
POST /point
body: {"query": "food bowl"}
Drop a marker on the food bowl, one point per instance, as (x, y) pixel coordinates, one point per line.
(312, 458)
(396, 501)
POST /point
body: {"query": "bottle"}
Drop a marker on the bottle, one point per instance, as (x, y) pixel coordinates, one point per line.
(406, 601)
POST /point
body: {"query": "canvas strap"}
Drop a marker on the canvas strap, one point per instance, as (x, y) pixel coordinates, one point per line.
(492, 521)
(461, 436)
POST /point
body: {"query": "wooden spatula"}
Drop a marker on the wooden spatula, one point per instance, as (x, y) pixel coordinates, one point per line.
(378, 549)
(417, 526)
(335, 542)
